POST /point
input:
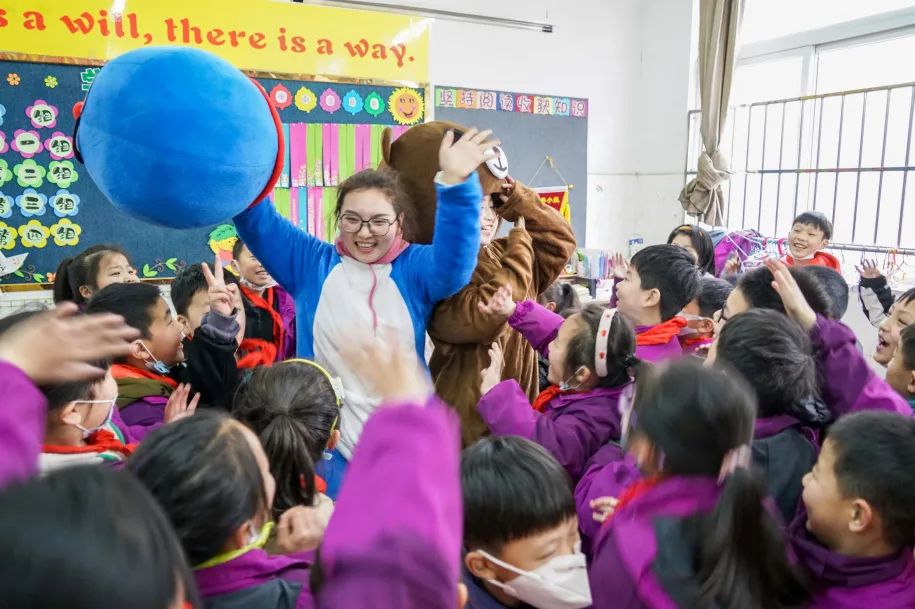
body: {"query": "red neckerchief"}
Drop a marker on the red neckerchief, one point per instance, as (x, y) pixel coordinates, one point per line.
(255, 351)
(695, 340)
(660, 334)
(99, 442)
(123, 371)
(546, 396)
(631, 492)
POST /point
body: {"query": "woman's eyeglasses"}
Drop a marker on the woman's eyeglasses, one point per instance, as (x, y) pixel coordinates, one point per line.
(379, 226)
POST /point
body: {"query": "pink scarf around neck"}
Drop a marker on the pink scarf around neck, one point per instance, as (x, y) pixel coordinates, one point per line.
(396, 249)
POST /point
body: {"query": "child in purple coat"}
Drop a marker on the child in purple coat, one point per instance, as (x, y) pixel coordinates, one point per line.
(520, 531)
(695, 532)
(857, 531)
(659, 282)
(212, 479)
(591, 359)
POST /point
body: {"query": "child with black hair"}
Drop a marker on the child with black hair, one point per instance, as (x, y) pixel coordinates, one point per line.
(90, 538)
(774, 354)
(79, 427)
(754, 290)
(48, 348)
(151, 378)
(689, 432)
(835, 287)
(208, 307)
(900, 374)
(699, 314)
(521, 537)
(78, 278)
(211, 477)
(269, 332)
(560, 298)
(698, 243)
(294, 408)
(809, 236)
(660, 280)
(591, 362)
(902, 315)
(856, 533)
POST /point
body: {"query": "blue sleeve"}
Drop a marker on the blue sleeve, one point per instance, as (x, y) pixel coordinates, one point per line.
(290, 255)
(445, 267)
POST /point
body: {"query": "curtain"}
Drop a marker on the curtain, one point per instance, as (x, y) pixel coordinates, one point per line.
(719, 22)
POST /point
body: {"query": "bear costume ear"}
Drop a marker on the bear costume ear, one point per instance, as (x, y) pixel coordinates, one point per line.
(414, 157)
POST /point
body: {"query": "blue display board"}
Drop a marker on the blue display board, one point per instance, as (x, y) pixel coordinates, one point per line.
(50, 208)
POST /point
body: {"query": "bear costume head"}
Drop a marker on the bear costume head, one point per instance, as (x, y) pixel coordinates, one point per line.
(414, 157)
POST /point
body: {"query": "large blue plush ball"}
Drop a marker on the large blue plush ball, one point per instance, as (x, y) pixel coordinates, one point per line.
(177, 137)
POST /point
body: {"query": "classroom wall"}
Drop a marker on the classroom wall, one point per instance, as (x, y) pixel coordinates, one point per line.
(630, 58)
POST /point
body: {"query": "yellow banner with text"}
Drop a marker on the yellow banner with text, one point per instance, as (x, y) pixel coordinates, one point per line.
(261, 35)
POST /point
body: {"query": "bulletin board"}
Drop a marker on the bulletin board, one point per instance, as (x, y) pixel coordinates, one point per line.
(337, 76)
(51, 209)
(545, 137)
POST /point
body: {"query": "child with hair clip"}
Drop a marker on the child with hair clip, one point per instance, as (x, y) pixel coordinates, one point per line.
(269, 313)
(90, 538)
(294, 408)
(78, 278)
(591, 358)
(689, 432)
(856, 533)
(900, 374)
(50, 347)
(212, 480)
(560, 298)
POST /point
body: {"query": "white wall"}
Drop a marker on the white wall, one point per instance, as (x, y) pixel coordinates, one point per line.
(630, 58)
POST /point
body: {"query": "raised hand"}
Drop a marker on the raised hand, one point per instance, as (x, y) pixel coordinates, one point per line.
(507, 189)
(869, 270)
(501, 303)
(620, 266)
(223, 298)
(795, 303)
(459, 159)
(732, 266)
(492, 375)
(301, 528)
(388, 369)
(56, 346)
(604, 507)
(178, 407)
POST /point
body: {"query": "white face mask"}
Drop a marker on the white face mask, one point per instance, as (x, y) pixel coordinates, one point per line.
(88, 431)
(561, 583)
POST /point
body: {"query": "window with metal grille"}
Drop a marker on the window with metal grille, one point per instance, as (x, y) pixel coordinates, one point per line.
(827, 127)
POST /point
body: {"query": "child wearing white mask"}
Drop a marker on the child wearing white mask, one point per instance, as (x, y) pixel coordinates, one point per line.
(521, 541)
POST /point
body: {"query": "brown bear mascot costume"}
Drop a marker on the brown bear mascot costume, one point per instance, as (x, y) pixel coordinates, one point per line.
(529, 259)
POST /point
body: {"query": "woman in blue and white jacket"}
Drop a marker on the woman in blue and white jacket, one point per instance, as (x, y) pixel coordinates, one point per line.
(372, 282)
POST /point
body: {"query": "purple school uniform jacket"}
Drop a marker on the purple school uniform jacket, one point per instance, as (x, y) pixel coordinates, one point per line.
(257, 580)
(628, 559)
(846, 582)
(286, 308)
(395, 537)
(658, 353)
(573, 426)
(607, 474)
(22, 421)
(847, 382)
